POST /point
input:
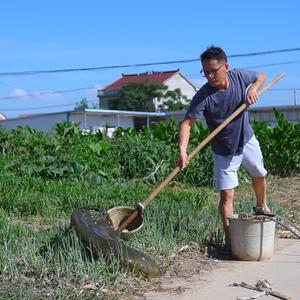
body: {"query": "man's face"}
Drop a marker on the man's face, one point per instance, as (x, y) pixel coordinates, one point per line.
(214, 71)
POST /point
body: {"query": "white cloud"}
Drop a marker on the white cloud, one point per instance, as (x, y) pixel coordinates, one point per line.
(48, 95)
(42, 95)
(98, 86)
(18, 93)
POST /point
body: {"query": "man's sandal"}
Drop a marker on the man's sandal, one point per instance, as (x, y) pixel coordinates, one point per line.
(260, 211)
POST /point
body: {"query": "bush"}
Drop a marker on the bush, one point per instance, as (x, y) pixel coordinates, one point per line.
(280, 145)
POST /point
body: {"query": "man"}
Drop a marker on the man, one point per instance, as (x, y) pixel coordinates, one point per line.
(236, 144)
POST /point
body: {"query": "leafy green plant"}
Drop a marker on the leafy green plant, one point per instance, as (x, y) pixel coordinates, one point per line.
(148, 154)
(68, 130)
(280, 145)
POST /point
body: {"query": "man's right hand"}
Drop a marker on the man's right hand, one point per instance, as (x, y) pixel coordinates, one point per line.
(183, 139)
(182, 161)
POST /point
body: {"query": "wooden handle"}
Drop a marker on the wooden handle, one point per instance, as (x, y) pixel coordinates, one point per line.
(196, 150)
(130, 218)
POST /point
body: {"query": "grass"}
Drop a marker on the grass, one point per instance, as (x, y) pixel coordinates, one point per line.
(40, 256)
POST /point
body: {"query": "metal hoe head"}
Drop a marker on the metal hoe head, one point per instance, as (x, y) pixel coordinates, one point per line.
(118, 214)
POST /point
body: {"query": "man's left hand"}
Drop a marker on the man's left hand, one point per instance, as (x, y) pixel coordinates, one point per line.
(251, 97)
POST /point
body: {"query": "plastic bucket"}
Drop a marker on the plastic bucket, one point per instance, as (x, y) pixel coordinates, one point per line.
(251, 238)
(117, 214)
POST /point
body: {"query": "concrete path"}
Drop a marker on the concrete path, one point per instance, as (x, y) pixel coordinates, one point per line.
(282, 271)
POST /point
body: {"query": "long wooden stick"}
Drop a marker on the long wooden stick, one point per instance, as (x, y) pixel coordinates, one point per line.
(194, 152)
(261, 289)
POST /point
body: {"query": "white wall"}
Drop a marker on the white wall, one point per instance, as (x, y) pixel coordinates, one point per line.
(177, 81)
(93, 121)
(41, 122)
(291, 114)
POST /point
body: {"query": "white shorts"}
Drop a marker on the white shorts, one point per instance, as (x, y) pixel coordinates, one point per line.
(226, 167)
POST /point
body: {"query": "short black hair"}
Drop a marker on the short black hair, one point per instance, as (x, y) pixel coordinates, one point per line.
(213, 52)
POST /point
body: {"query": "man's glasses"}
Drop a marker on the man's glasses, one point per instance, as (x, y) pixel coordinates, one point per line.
(211, 73)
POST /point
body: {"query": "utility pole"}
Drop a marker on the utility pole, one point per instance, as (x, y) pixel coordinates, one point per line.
(295, 97)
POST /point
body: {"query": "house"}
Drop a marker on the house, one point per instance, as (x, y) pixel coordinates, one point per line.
(172, 79)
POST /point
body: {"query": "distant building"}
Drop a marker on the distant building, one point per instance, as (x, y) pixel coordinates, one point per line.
(92, 119)
(97, 119)
(266, 114)
(172, 79)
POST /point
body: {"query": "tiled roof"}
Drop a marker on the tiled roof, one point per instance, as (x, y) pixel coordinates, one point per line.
(153, 77)
(24, 115)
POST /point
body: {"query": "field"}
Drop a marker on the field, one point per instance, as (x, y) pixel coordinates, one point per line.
(44, 177)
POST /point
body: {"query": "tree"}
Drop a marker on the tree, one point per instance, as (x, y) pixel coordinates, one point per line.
(173, 101)
(141, 96)
(83, 104)
(138, 96)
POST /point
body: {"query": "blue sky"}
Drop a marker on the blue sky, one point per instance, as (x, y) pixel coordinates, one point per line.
(53, 35)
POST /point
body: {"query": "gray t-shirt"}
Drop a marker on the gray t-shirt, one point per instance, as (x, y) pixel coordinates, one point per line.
(217, 105)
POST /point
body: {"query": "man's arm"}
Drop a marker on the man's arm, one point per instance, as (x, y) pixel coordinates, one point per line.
(252, 97)
(183, 140)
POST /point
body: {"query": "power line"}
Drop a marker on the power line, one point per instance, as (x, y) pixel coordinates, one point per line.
(90, 87)
(48, 106)
(258, 66)
(27, 73)
(34, 94)
(265, 52)
(285, 89)
(39, 107)
(275, 64)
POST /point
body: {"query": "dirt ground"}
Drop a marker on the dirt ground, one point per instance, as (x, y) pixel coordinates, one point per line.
(191, 262)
